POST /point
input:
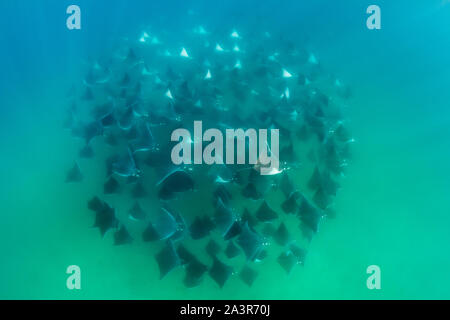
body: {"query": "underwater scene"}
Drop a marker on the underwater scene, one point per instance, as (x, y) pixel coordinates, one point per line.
(225, 149)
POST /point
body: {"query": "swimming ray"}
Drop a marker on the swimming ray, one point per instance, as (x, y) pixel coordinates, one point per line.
(248, 275)
(290, 205)
(181, 229)
(219, 48)
(220, 272)
(194, 273)
(124, 165)
(330, 213)
(132, 180)
(235, 34)
(223, 217)
(97, 75)
(168, 94)
(316, 179)
(265, 212)
(91, 130)
(185, 255)
(233, 231)
(184, 53)
(131, 56)
(231, 250)
(150, 234)
(165, 224)
(167, 259)
(175, 182)
(346, 153)
(184, 91)
(171, 75)
(212, 248)
(105, 219)
(136, 212)
(88, 94)
(139, 191)
(126, 119)
(281, 235)
(249, 218)
(261, 255)
(122, 236)
(342, 133)
(250, 191)
(250, 242)
(312, 155)
(268, 230)
(328, 184)
(111, 139)
(221, 174)
(222, 193)
(86, 152)
(285, 184)
(298, 252)
(309, 215)
(145, 140)
(74, 174)
(201, 227)
(95, 204)
(240, 177)
(322, 199)
(102, 110)
(125, 81)
(307, 232)
(111, 186)
(287, 261)
(123, 95)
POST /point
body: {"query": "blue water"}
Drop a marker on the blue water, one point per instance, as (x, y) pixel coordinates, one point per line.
(392, 211)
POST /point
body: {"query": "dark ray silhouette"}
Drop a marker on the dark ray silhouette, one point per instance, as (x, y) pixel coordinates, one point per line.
(220, 272)
(167, 259)
(248, 275)
(265, 212)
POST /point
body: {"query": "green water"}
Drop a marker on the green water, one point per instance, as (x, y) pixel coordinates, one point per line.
(392, 212)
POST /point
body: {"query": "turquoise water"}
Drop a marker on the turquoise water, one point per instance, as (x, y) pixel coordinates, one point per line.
(392, 210)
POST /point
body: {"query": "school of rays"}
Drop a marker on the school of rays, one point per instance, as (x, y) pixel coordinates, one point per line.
(215, 220)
